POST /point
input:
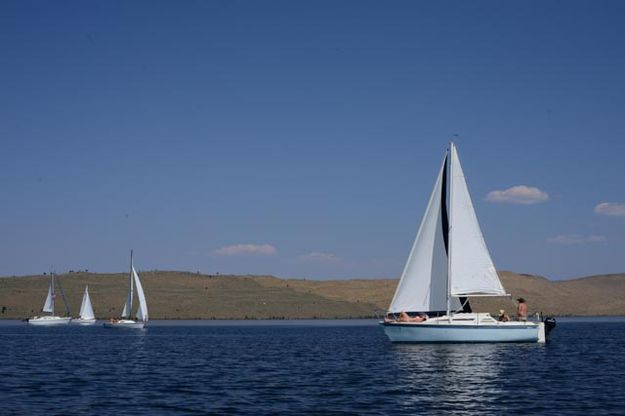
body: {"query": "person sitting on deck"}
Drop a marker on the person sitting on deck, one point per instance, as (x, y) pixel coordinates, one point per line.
(521, 312)
(404, 317)
(503, 317)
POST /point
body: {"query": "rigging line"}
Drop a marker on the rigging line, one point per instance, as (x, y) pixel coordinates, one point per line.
(63, 296)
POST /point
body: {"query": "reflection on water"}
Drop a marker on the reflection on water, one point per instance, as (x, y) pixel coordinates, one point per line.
(445, 375)
(305, 369)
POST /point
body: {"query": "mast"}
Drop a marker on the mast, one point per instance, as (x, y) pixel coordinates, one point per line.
(449, 239)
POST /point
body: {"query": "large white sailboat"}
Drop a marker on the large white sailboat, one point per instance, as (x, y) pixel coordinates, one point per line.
(448, 263)
(141, 317)
(86, 317)
(48, 307)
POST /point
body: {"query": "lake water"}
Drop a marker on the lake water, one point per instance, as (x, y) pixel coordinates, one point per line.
(337, 367)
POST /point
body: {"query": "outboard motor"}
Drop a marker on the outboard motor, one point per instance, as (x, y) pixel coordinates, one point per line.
(550, 323)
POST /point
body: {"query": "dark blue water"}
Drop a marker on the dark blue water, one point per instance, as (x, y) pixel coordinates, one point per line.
(305, 368)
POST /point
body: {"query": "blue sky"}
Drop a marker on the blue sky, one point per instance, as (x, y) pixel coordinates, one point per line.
(302, 139)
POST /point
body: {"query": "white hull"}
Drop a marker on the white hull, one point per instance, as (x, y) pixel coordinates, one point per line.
(49, 320)
(141, 315)
(465, 328)
(124, 323)
(80, 321)
(449, 261)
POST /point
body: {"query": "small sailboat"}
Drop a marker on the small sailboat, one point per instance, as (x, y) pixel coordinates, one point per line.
(48, 307)
(87, 317)
(141, 317)
(449, 262)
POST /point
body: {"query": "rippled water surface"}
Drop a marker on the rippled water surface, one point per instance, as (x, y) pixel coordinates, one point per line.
(305, 367)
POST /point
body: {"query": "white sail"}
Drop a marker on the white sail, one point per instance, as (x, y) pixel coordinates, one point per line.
(471, 268)
(142, 310)
(128, 305)
(423, 284)
(48, 306)
(126, 312)
(86, 310)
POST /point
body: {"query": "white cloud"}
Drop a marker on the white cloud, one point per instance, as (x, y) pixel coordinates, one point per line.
(245, 249)
(570, 239)
(316, 256)
(520, 194)
(610, 208)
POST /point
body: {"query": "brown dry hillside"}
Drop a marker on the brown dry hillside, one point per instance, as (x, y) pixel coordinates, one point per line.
(596, 295)
(182, 295)
(178, 295)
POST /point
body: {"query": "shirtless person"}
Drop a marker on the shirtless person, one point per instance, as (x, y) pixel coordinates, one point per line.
(404, 317)
(521, 311)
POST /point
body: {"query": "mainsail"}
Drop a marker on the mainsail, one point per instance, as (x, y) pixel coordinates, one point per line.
(422, 286)
(142, 310)
(86, 310)
(48, 306)
(471, 268)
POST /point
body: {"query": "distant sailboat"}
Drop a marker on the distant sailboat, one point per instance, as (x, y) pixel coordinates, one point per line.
(449, 262)
(141, 317)
(48, 307)
(87, 317)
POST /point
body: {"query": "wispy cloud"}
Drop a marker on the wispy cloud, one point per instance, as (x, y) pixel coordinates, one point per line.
(569, 239)
(520, 194)
(247, 249)
(319, 257)
(610, 208)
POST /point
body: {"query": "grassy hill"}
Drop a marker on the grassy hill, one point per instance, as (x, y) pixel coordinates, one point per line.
(179, 295)
(182, 295)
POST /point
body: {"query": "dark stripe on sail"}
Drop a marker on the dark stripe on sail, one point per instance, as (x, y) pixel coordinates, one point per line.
(444, 219)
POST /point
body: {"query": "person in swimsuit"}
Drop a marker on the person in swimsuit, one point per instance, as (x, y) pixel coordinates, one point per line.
(521, 311)
(404, 317)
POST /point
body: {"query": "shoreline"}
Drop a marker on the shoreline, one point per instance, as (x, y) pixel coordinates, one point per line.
(191, 296)
(298, 322)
